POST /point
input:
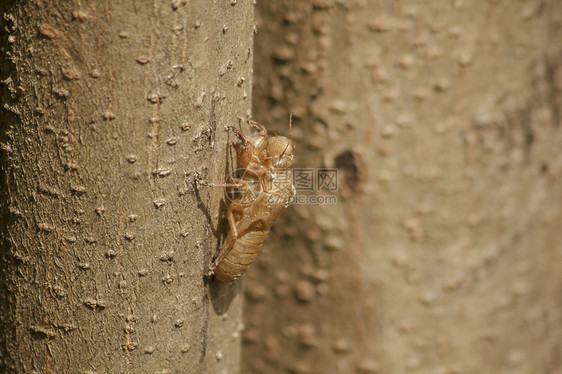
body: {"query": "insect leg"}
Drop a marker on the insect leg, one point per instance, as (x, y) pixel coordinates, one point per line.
(240, 184)
(259, 126)
(243, 151)
(239, 135)
(227, 247)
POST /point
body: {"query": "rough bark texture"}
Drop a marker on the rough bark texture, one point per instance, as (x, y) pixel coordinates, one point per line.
(444, 121)
(109, 111)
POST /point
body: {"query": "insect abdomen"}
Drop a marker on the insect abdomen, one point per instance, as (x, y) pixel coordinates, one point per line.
(241, 257)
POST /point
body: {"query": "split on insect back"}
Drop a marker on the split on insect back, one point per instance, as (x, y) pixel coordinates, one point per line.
(260, 190)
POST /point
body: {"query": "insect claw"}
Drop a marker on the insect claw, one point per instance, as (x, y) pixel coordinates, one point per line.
(211, 270)
(199, 181)
(259, 126)
(238, 134)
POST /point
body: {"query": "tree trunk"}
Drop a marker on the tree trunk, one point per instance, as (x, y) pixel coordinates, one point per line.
(111, 110)
(443, 120)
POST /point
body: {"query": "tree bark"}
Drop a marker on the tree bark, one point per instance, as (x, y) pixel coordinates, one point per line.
(443, 119)
(111, 110)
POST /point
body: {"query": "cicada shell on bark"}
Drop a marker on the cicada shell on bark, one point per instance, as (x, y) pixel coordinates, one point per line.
(263, 191)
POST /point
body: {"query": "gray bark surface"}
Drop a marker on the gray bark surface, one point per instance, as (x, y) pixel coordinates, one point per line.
(110, 110)
(443, 119)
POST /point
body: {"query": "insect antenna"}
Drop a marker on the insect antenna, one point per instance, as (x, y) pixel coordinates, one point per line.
(290, 126)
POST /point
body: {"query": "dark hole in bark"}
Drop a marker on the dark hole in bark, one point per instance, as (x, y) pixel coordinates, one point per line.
(352, 169)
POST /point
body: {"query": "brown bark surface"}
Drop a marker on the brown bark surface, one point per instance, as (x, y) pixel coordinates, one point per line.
(444, 121)
(110, 110)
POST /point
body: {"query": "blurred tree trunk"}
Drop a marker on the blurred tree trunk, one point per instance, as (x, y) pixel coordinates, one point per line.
(110, 109)
(443, 119)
